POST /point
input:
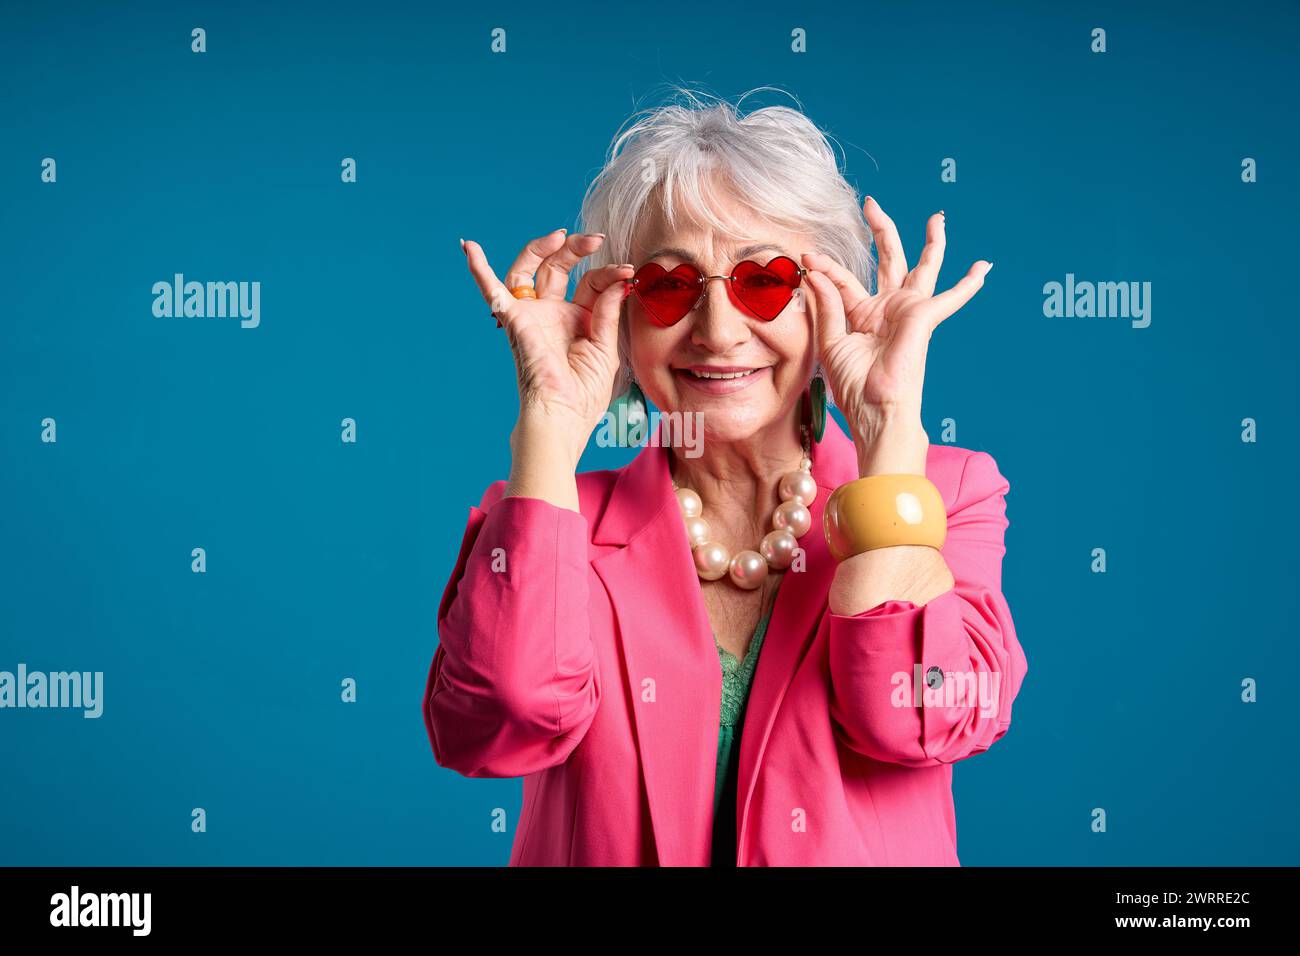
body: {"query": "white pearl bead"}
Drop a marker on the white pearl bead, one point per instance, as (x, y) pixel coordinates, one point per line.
(793, 517)
(697, 530)
(748, 569)
(805, 464)
(798, 484)
(711, 560)
(777, 548)
(690, 503)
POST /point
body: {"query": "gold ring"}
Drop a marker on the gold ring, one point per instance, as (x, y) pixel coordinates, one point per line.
(524, 292)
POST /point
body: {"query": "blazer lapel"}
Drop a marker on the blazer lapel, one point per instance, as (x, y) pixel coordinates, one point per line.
(800, 605)
(669, 657)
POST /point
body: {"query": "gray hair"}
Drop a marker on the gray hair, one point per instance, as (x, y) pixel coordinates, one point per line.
(780, 164)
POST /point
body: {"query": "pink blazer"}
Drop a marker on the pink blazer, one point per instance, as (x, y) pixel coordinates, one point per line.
(575, 652)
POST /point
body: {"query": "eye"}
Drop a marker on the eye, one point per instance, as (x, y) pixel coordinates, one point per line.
(762, 280)
(669, 284)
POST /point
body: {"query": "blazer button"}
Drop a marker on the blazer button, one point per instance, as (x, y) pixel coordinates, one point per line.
(934, 678)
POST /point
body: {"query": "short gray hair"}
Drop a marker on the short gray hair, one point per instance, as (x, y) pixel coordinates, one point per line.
(783, 167)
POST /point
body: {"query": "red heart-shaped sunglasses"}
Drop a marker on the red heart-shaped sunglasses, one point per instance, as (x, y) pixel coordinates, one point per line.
(764, 290)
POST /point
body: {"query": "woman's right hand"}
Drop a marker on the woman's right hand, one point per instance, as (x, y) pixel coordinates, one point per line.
(566, 352)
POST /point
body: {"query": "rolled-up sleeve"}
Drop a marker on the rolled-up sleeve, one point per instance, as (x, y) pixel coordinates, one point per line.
(921, 686)
(514, 684)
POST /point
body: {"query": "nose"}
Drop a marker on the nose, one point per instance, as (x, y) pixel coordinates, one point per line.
(719, 325)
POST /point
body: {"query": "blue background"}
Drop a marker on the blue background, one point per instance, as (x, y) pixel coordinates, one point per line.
(326, 560)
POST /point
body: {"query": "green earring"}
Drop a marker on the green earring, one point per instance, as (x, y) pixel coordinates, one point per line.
(630, 418)
(817, 407)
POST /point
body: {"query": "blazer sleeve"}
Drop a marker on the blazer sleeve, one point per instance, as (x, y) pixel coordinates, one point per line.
(514, 684)
(879, 658)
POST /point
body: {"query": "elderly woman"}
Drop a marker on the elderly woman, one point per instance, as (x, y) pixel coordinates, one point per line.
(769, 651)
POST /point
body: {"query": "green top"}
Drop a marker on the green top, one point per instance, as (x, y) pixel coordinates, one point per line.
(737, 675)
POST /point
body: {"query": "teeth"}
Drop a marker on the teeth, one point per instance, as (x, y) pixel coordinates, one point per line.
(722, 374)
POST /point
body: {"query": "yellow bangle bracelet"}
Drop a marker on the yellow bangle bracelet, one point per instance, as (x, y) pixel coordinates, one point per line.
(882, 511)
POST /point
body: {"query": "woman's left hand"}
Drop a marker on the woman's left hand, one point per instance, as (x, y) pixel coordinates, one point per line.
(873, 347)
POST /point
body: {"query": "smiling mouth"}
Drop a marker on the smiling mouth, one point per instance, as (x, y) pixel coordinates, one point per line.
(722, 381)
(722, 376)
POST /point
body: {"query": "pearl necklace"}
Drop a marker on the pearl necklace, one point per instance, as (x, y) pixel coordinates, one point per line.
(748, 569)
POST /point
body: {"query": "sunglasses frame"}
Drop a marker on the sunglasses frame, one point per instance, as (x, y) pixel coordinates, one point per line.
(703, 283)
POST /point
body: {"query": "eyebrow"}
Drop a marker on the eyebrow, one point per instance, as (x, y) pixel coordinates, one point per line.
(741, 255)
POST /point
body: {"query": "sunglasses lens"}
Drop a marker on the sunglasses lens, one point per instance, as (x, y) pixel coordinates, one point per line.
(766, 291)
(667, 296)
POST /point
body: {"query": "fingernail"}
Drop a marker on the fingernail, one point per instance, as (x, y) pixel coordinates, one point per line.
(626, 265)
(598, 235)
(989, 269)
(462, 245)
(561, 230)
